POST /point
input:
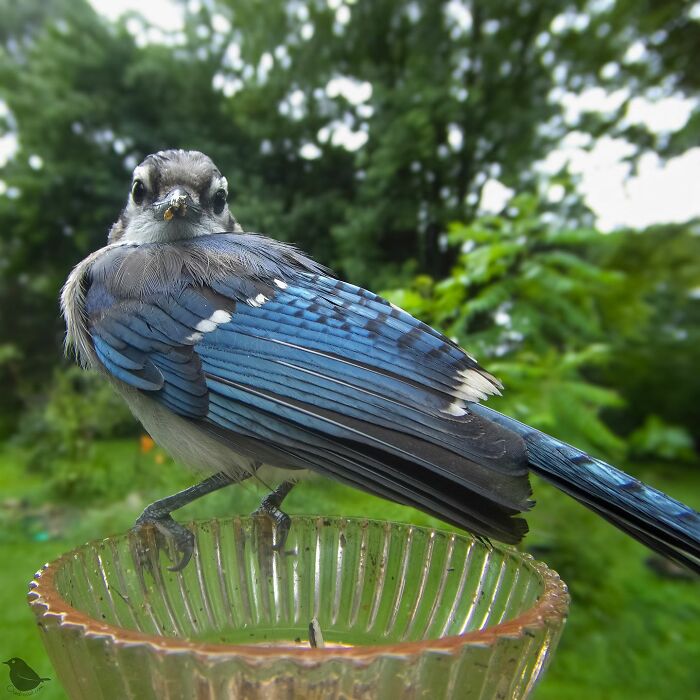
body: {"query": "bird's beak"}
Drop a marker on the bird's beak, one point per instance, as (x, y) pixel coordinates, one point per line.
(176, 204)
(6, 662)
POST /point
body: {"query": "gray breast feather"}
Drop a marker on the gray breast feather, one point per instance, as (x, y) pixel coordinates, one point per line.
(183, 439)
(188, 443)
(139, 272)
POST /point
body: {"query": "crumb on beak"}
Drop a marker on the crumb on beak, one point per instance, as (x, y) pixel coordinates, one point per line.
(178, 205)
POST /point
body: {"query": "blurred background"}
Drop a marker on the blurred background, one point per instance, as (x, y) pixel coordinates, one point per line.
(522, 174)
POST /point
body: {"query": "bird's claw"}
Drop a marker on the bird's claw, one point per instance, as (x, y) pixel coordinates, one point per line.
(167, 532)
(281, 522)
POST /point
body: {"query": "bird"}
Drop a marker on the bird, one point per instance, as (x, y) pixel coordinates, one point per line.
(22, 676)
(241, 356)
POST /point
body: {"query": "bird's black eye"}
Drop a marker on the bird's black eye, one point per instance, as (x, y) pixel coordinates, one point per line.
(219, 201)
(138, 191)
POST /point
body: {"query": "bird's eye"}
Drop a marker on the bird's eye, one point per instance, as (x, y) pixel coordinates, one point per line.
(138, 191)
(219, 201)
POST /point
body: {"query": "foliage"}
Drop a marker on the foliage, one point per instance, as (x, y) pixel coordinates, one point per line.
(10, 356)
(530, 303)
(657, 439)
(80, 408)
(654, 365)
(548, 310)
(60, 431)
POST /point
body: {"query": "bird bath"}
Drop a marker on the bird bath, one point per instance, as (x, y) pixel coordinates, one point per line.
(404, 612)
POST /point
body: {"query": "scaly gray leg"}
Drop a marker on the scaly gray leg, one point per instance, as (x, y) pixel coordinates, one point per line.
(270, 507)
(158, 515)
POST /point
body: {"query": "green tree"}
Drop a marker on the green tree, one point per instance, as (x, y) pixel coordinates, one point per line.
(455, 93)
(577, 325)
(654, 365)
(527, 300)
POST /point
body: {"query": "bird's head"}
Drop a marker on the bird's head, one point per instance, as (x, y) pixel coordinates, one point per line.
(174, 195)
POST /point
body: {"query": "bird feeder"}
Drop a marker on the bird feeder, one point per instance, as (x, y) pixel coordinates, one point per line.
(350, 609)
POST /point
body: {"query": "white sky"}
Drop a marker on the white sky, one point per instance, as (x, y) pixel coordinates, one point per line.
(163, 13)
(657, 192)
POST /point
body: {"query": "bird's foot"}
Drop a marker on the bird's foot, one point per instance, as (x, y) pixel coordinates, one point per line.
(169, 536)
(281, 522)
(156, 519)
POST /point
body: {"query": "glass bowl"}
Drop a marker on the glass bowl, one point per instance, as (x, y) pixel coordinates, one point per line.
(403, 611)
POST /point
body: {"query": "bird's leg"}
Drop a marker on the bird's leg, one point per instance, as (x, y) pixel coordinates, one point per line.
(270, 507)
(158, 515)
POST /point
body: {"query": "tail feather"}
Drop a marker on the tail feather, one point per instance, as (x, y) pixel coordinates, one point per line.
(650, 516)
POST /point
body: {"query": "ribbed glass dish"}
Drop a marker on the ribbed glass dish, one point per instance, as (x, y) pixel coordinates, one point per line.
(405, 612)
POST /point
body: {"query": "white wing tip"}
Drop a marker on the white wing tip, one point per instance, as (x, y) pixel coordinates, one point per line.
(455, 409)
(220, 316)
(205, 326)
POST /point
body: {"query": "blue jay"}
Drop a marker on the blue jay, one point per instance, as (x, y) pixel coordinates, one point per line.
(239, 354)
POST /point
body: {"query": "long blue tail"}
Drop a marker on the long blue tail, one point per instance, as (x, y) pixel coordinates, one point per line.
(650, 516)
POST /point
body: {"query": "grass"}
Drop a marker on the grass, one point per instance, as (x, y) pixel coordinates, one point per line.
(630, 633)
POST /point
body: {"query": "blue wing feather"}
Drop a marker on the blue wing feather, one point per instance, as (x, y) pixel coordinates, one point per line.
(356, 372)
(280, 323)
(147, 378)
(333, 391)
(112, 353)
(361, 470)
